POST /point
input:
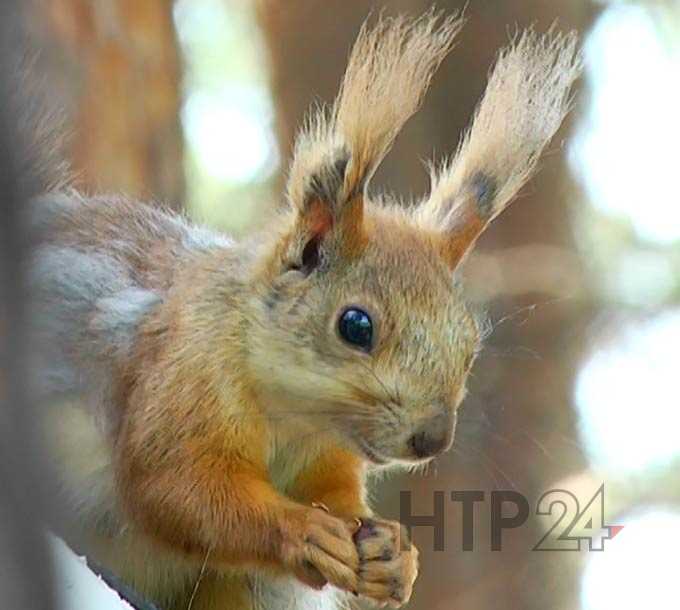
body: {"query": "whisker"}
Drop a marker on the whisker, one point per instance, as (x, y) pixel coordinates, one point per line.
(486, 468)
(380, 382)
(529, 309)
(199, 579)
(499, 470)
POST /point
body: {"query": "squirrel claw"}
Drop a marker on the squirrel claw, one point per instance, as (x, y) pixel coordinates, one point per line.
(321, 506)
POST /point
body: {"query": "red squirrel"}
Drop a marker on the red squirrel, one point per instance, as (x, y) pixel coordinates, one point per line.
(218, 403)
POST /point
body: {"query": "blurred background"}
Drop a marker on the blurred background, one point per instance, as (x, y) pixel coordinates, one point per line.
(195, 103)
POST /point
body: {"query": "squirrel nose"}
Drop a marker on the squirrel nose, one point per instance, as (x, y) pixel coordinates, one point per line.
(433, 438)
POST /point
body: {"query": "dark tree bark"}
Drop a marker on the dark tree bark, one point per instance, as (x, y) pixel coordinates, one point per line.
(25, 572)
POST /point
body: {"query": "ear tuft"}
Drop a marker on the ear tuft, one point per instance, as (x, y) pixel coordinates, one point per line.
(389, 70)
(527, 97)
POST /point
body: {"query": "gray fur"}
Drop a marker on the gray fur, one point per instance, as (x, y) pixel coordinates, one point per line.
(45, 210)
(118, 316)
(84, 303)
(201, 238)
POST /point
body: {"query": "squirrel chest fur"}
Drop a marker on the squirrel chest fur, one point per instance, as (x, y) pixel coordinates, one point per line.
(216, 405)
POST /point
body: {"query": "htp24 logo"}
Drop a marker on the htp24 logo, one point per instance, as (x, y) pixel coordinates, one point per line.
(573, 526)
(568, 526)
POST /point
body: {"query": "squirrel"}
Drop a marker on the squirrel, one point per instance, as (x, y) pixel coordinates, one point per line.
(216, 405)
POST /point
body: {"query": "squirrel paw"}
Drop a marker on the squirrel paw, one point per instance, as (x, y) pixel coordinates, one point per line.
(388, 562)
(320, 550)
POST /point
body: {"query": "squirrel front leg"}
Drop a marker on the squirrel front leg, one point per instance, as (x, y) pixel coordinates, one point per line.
(203, 495)
(388, 561)
(336, 480)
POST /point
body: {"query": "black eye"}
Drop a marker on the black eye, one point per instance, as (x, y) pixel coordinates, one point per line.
(356, 327)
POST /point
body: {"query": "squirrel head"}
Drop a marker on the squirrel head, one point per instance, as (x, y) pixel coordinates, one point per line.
(361, 328)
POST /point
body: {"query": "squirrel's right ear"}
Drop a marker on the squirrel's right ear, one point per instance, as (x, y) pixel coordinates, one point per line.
(339, 149)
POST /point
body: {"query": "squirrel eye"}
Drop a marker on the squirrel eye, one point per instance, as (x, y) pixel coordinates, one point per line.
(356, 328)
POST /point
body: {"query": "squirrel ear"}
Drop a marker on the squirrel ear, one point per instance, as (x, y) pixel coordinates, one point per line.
(526, 99)
(339, 148)
(327, 207)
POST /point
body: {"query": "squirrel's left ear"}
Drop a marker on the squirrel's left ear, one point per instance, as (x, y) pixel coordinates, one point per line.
(526, 99)
(339, 149)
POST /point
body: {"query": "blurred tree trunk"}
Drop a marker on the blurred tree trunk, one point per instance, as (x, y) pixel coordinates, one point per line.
(114, 66)
(517, 425)
(25, 561)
